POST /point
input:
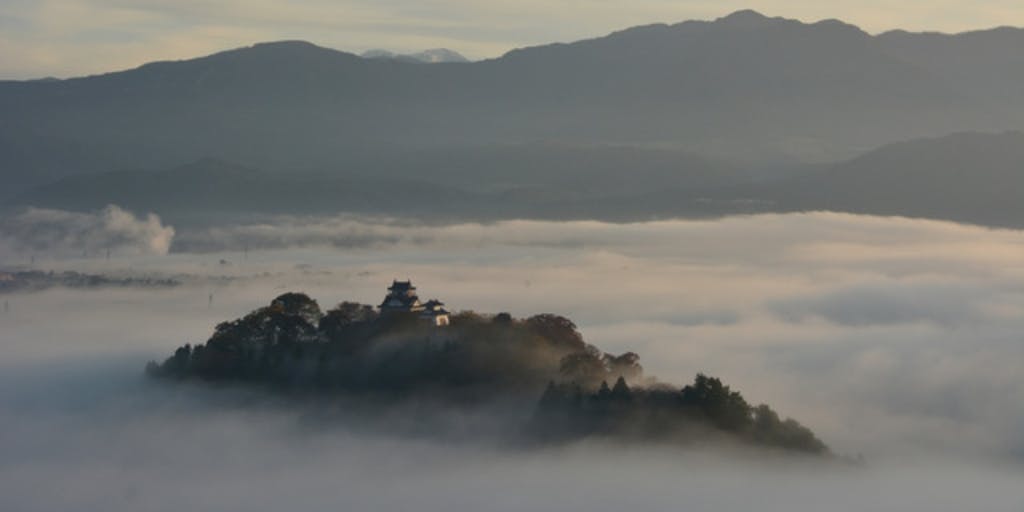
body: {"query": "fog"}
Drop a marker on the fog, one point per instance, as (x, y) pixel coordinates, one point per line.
(892, 338)
(58, 233)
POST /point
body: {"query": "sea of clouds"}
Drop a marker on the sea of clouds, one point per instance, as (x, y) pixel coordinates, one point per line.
(897, 339)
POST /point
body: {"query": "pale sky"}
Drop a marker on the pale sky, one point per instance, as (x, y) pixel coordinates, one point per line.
(74, 37)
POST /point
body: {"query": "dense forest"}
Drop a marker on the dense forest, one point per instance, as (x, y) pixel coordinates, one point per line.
(292, 346)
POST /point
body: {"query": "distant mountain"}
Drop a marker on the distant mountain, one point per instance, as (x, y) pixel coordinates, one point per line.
(966, 177)
(432, 56)
(988, 63)
(563, 170)
(206, 189)
(536, 180)
(757, 90)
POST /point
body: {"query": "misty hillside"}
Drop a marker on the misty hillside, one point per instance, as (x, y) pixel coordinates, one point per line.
(747, 87)
(967, 177)
(210, 186)
(521, 180)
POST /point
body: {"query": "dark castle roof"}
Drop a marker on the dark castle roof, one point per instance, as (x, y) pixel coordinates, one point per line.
(401, 286)
(401, 297)
(435, 307)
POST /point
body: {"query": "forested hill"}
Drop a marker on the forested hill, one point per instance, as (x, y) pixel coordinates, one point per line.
(351, 350)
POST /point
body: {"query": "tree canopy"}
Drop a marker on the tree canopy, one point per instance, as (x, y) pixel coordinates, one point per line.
(291, 345)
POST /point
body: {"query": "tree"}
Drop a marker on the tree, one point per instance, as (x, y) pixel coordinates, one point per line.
(768, 429)
(724, 407)
(298, 304)
(558, 330)
(502, 318)
(178, 364)
(621, 390)
(626, 365)
(585, 367)
(346, 321)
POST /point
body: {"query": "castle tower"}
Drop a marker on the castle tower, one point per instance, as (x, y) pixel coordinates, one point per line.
(401, 298)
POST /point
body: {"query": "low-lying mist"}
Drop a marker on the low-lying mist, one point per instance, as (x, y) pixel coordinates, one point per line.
(892, 338)
(59, 233)
(88, 437)
(93, 441)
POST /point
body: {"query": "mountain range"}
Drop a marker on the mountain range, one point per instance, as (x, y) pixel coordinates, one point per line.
(746, 112)
(968, 177)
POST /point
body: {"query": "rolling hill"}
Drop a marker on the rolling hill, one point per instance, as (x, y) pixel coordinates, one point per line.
(967, 177)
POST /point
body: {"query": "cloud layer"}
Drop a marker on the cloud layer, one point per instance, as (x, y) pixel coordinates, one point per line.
(56, 233)
(896, 338)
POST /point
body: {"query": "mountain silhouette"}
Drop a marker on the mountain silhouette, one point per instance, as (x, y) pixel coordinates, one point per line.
(966, 177)
(760, 92)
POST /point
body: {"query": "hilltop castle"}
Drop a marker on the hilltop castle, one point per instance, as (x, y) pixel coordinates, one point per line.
(402, 298)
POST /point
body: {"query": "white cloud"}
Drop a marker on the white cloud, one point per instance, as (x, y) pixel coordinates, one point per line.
(55, 233)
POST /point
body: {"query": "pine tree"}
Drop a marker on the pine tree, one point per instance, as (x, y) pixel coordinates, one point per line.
(621, 390)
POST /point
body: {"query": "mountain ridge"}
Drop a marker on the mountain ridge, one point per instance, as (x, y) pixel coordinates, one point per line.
(749, 89)
(969, 177)
(746, 18)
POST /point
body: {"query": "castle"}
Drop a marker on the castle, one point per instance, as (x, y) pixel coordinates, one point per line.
(402, 298)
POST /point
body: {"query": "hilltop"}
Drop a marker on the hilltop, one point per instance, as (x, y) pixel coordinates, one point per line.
(390, 356)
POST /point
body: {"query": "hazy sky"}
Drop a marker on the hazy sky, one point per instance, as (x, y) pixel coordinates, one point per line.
(73, 37)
